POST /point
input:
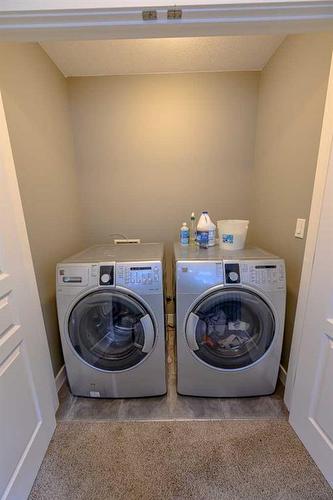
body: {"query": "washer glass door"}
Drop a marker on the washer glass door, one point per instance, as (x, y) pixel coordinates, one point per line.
(111, 330)
(230, 328)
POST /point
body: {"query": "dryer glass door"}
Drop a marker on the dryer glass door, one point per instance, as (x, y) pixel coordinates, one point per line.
(230, 328)
(111, 330)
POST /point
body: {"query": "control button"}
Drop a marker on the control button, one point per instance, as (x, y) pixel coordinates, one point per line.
(155, 277)
(233, 276)
(105, 278)
(94, 271)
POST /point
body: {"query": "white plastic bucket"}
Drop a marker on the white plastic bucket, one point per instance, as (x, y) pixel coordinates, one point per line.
(232, 234)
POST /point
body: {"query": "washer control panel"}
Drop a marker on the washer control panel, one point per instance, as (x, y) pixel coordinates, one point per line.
(72, 275)
(268, 275)
(145, 277)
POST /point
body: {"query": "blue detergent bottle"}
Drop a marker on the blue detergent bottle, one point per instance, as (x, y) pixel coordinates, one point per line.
(184, 235)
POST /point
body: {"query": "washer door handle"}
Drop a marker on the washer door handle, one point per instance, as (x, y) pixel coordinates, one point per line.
(149, 333)
(191, 327)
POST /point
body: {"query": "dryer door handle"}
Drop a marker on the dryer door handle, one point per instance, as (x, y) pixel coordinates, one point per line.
(191, 327)
(149, 333)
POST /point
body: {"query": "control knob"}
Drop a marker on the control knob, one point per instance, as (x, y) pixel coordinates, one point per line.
(233, 276)
(105, 278)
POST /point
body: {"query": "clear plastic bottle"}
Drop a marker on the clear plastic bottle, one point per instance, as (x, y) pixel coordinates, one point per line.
(193, 231)
(184, 234)
(206, 231)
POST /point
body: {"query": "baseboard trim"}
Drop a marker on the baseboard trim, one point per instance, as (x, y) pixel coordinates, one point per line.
(170, 319)
(282, 375)
(60, 378)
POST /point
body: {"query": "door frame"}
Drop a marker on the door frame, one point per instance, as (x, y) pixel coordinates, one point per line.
(27, 263)
(32, 20)
(40, 20)
(28, 316)
(323, 159)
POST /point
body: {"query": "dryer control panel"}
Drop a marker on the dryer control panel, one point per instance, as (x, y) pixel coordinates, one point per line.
(142, 277)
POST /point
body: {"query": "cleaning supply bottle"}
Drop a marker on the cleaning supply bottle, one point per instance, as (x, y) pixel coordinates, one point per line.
(184, 234)
(192, 229)
(212, 233)
(206, 231)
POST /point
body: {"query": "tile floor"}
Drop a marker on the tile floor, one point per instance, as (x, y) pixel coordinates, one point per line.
(171, 406)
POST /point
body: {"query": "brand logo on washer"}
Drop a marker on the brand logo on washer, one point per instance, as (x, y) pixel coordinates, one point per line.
(184, 269)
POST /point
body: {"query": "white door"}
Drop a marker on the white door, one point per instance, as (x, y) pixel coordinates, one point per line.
(312, 399)
(27, 388)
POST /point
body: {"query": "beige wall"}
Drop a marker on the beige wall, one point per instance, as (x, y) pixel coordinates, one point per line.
(36, 106)
(150, 149)
(291, 102)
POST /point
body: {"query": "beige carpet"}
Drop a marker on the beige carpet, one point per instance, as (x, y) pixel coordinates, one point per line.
(226, 460)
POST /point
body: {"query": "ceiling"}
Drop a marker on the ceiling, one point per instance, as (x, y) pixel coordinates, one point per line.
(162, 55)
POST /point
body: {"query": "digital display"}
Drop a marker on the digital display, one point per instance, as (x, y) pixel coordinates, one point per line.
(140, 268)
(265, 267)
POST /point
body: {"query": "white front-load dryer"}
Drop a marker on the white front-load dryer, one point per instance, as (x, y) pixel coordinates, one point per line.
(111, 316)
(230, 309)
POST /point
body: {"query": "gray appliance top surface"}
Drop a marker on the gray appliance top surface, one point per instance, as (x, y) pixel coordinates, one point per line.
(193, 252)
(142, 252)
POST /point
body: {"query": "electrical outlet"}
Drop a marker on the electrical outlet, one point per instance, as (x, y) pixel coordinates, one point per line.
(300, 228)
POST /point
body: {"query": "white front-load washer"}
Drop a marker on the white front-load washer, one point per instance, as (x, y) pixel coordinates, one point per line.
(230, 309)
(110, 301)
